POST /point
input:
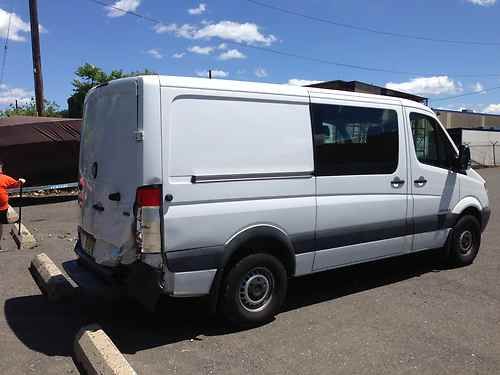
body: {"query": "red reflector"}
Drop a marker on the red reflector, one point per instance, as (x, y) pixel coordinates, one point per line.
(148, 196)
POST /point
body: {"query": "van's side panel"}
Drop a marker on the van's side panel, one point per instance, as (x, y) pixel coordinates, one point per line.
(364, 216)
(235, 160)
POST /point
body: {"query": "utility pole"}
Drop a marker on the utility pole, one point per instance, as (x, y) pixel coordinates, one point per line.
(210, 74)
(37, 63)
(493, 144)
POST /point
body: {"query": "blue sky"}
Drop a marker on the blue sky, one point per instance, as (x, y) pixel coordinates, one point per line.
(191, 42)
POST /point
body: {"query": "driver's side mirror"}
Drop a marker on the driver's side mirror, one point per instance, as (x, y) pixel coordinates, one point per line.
(462, 162)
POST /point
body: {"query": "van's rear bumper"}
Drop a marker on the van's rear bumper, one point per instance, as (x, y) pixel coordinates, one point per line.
(92, 278)
(177, 284)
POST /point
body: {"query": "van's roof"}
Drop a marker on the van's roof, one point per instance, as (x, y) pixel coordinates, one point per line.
(279, 89)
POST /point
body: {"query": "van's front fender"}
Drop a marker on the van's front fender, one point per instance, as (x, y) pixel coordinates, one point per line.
(465, 203)
(472, 202)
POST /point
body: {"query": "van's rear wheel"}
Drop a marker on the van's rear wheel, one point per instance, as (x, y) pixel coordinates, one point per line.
(464, 241)
(254, 289)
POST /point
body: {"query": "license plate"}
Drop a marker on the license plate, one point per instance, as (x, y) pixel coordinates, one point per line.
(88, 242)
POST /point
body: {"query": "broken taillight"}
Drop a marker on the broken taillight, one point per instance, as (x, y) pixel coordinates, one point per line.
(148, 218)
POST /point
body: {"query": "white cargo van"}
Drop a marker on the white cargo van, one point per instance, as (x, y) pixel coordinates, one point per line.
(198, 187)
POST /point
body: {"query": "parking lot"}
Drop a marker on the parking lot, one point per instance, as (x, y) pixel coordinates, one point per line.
(401, 316)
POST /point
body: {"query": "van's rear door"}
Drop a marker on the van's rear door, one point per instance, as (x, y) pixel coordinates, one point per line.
(109, 172)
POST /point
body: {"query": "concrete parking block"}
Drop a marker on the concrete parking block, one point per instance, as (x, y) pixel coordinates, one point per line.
(97, 354)
(23, 240)
(50, 279)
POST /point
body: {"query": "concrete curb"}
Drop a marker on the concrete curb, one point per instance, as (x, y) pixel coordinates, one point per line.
(49, 278)
(25, 240)
(98, 355)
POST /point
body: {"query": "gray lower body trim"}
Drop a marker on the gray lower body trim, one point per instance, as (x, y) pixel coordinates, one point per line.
(304, 263)
(189, 284)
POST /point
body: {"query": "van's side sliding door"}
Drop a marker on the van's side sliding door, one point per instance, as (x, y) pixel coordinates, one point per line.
(362, 181)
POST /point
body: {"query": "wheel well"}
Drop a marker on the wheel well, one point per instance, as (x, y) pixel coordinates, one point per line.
(263, 244)
(473, 211)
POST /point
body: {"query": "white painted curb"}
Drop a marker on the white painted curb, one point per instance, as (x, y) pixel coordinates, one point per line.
(98, 355)
(49, 278)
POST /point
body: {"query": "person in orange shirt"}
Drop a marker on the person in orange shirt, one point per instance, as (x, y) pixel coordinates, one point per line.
(6, 182)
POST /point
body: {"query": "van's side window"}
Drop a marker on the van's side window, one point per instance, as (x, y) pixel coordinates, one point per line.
(354, 140)
(431, 145)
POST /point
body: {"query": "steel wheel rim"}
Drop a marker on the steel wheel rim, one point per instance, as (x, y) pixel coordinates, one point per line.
(466, 242)
(256, 289)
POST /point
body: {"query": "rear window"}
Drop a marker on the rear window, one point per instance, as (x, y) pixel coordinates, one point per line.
(354, 140)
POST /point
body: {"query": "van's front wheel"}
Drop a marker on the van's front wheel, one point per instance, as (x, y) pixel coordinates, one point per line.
(254, 289)
(464, 241)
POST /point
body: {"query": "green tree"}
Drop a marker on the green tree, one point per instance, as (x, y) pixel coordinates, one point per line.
(51, 109)
(88, 76)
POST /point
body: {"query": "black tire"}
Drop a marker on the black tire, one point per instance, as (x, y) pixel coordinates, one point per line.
(254, 290)
(464, 241)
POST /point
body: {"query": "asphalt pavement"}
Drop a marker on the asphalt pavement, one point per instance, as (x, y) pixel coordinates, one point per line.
(407, 315)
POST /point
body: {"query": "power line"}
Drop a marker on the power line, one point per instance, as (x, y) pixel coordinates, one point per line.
(484, 91)
(5, 48)
(359, 67)
(303, 57)
(370, 30)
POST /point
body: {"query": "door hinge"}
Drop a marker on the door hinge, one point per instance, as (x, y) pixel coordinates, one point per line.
(139, 135)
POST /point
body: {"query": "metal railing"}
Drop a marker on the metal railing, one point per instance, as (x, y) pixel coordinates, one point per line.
(44, 188)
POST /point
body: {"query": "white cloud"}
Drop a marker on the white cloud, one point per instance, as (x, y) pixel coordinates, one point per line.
(478, 87)
(179, 55)
(261, 72)
(248, 33)
(222, 46)
(155, 52)
(483, 3)
(492, 108)
(118, 8)
(201, 50)
(232, 54)
(10, 95)
(427, 86)
(17, 26)
(198, 10)
(215, 74)
(301, 82)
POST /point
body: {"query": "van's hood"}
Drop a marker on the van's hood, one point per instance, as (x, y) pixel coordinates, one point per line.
(473, 174)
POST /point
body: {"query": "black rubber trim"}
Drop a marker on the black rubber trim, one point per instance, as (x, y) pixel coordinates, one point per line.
(353, 235)
(485, 217)
(358, 234)
(195, 259)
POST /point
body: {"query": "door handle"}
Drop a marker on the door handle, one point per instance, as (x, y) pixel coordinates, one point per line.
(115, 197)
(98, 207)
(397, 182)
(421, 181)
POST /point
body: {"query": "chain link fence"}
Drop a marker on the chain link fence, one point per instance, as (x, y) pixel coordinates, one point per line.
(484, 155)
